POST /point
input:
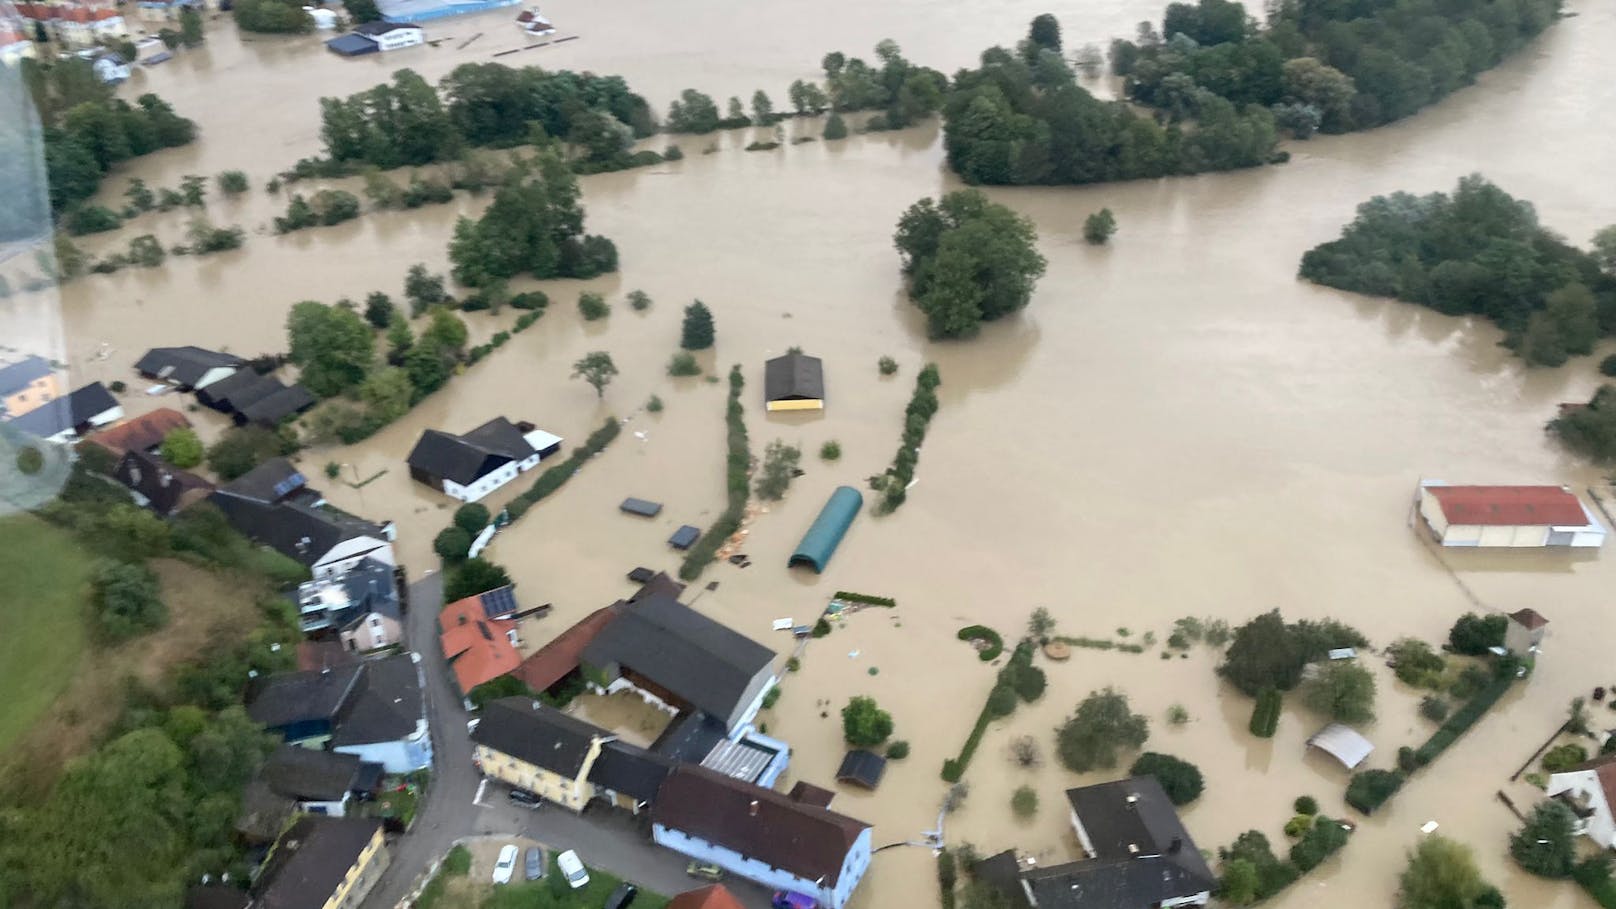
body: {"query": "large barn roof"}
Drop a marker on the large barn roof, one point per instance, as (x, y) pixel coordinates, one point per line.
(1513, 506)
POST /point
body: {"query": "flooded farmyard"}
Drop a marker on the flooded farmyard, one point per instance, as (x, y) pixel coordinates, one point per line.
(1176, 426)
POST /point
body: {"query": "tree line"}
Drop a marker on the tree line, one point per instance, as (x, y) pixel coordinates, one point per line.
(1331, 65)
(1475, 251)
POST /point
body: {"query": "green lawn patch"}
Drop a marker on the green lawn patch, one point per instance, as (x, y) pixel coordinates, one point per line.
(545, 894)
(43, 579)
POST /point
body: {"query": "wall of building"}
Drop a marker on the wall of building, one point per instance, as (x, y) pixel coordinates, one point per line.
(1584, 784)
(807, 404)
(752, 700)
(484, 485)
(362, 876)
(553, 787)
(347, 555)
(400, 38)
(749, 868)
(374, 630)
(405, 755)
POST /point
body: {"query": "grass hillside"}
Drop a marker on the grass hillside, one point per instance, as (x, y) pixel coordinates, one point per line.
(43, 584)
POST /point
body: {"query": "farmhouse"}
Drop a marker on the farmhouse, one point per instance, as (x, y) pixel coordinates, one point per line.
(187, 367)
(273, 505)
(361, 606)
(158, 486)
(373, 709)
(144, 433)
(63, 419)
(1589, 790)
(251, 398)
(470, 466)
(371, 37)
(524, 743)
(1524, 633)
(795, 381)
(761, 835)
(1507, 516)
(479, 637)
(296, 780)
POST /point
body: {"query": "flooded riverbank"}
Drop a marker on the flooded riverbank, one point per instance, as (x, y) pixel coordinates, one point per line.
(1175, 426)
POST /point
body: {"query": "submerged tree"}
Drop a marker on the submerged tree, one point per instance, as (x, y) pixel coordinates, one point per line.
(969, 261)
(597, 369)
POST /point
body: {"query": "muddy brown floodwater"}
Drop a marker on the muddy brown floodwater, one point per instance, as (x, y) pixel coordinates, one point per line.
(1175, 426)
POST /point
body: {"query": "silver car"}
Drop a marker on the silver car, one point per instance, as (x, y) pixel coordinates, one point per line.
(535, 863)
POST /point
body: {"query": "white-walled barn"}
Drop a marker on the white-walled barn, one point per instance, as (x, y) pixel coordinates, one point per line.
(1508, 516)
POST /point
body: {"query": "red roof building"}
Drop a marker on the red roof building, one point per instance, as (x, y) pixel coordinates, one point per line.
(710, 897)
(1508, 516)
(477, 647)
(143, 433)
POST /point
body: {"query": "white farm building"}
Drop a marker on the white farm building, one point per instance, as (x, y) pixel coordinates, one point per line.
(1507, 516)
(470, 466)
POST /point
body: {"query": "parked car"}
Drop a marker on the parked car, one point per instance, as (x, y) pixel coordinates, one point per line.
(523, 797)
(785, 899)
(705, 870)
(535, 863)
(505, 865)
(622, 896)
(572, 868)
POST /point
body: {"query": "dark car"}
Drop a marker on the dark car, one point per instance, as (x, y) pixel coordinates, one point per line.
(535, 864)
(622, 896)
(523, 797)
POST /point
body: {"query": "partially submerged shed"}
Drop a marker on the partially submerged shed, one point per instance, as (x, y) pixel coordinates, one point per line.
(826, 533)
(641, 507)
(862, 768)
(1343, 743)
(795, 381)
(684, 537)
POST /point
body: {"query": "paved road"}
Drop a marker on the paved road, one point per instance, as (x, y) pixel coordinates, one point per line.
(602, 837)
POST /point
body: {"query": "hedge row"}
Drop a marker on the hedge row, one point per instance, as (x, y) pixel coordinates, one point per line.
(983, 633)
(1321, 841)
(500, 338)
(947, 877)
(1369, 789)
(553, 478)
(848, 596)
(894, 484)
(737, 464)
(997, 705)
(1099, 644)
(1265, 714)
(1461, 720)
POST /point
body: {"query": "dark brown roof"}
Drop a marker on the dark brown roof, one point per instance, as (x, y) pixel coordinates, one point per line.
(141, 433)
(312, 859)
(1529, 617)
(322, 655)
(809, 842)
(809, 794)
(713, 896)
(551, 663)
(536, 733)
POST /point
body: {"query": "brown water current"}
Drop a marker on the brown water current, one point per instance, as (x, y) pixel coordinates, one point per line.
(1175, 425)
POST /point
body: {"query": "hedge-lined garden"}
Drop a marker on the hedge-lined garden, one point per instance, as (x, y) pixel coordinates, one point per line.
(737, 466)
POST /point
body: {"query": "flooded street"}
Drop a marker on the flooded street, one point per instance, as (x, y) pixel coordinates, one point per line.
(1175, 425)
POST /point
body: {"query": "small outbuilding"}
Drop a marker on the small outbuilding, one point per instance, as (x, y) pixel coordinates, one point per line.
(1343, 743)
(684, 537)
(1524, 633)
(862, 768)
(641, 507)
(826, 533)
(795, 381)
(1508, 516)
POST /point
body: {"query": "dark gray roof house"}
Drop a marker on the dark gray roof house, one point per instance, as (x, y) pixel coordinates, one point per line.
(862, 768)
(349, 708)
(187, 367)
(273, 505)
(314, 858)
(538, 734)
(77, 413)
(317, 776)
(19, 375)
(664, 646)
(251, 398)
(795, 381)
(470, 465)
(157, 485)
(630, 770)
(1138, 855)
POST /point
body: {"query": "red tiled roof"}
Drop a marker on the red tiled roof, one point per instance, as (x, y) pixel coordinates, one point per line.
(1529, 617)
(554, 660)
(475, 646)
(141, 433)
(710, 897)
(1509, 505)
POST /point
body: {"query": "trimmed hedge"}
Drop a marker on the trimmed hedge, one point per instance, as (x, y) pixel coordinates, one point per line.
(554, 477)
(1265, 714)
(737, 463)
(1321, 841)
(983, 633)
(1461, 720)
(954, 767)
(894, 484)
(1370, 789)
(848, 596)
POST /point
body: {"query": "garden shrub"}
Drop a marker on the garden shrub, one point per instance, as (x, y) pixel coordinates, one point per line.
(1180, 779)
(994, 643)
(1564, 757)
(1321, 840)
(1265, 713)
(1369, 789)
(1305, 804)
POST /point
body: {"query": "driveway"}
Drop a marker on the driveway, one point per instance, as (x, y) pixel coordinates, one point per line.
(608, 839)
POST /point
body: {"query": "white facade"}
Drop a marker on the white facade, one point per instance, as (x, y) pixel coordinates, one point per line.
(1583, 787)
(401, 37)
(405, 755)
(214, 375)
(1588, 535)
(737, 863)
(540, 441)
(344, 556)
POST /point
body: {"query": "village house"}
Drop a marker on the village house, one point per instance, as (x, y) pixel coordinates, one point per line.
(273, 505)
(188, 368)
(63, 419)
(322, 863)
(144, 433)
(373, 709)
(1137, 855)
(1507, 516)
(479, 637)
(761, 835)
(361, 607)
(470, 466)
(1524, 633)
(1589, 790)
(795, 381)
(26, 384)
(251, 398)
(158, 486)
(296, 781)
(529, 745)
(75, 24)
(372, 37)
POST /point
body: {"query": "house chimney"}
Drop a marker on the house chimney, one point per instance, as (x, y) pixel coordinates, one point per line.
(753, 808)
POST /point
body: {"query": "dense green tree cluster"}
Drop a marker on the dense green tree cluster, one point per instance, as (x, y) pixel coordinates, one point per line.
(332, 344)
(1442, 874)
(864, 723)
(1268, 653)
(1590, 430)
(1180, 779)
(969, 261)
(242, 448)
(1021, 118)
(397, 123)
(1546, 844)
(1343, 691)
(903, 92)
(127, 601)
(1335, 65)
(275, 16)
(536, 226)
(1102, 725)
(1480, 251)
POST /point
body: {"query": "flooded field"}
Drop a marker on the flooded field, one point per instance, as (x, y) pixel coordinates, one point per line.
(1175, 426)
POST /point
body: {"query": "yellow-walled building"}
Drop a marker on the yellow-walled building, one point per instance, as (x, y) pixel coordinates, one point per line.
(323, 863)
(526, 744)
(27, 384)
(795, 381)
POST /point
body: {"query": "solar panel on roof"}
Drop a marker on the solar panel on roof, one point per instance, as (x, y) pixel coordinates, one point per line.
(499, 602)
(295, 481)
